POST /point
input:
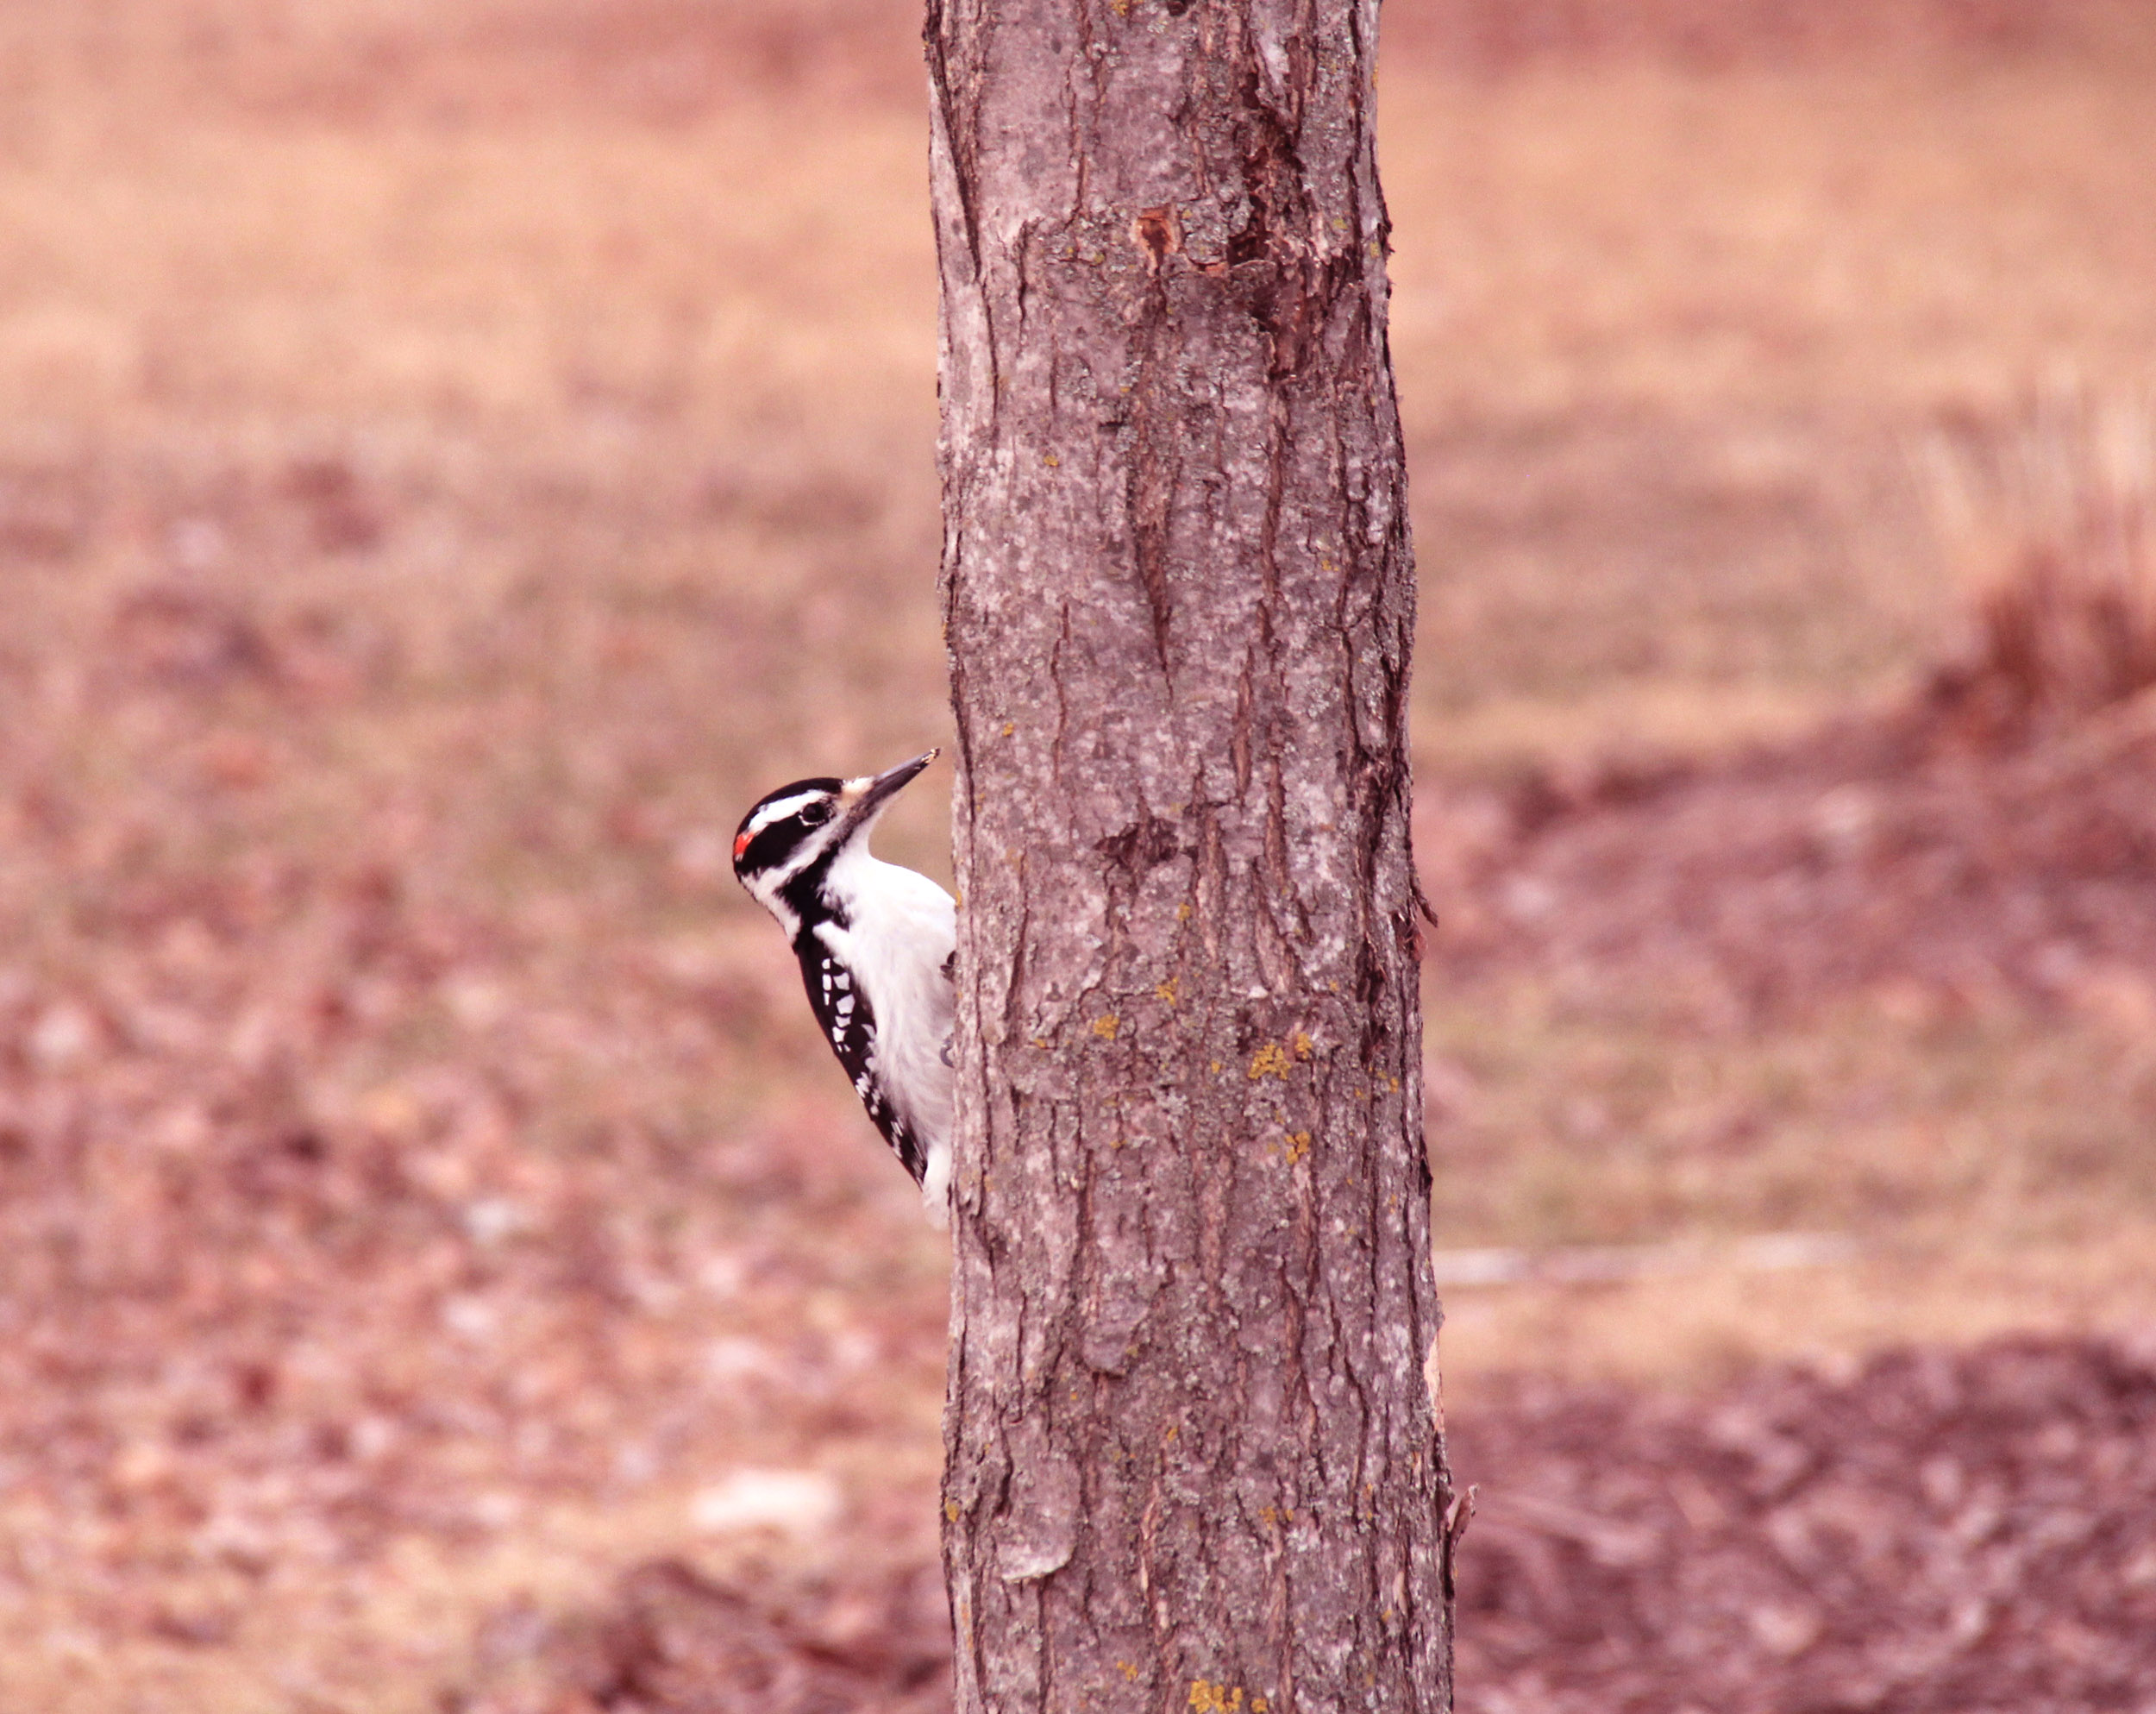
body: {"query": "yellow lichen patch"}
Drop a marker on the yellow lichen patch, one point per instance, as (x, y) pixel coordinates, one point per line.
(1216, 1065)
(1270, 1061)
(1128, 1670)
(1105, 1026)
(1302, 1045)
(1050, 460)
(1207, 1697)
(1009, 726)
(950, 1511)
(1167, 991)
(1040, 1041)
(1298, 1147)
(1183, 911)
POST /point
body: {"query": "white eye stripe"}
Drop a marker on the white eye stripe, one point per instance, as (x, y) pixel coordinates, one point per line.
(779, 811)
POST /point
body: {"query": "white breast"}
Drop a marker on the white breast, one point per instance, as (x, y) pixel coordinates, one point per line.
(901, 930)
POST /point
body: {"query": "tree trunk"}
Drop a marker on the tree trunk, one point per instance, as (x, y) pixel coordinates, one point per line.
(1192, 1460)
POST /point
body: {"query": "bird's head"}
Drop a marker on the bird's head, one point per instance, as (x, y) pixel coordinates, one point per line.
(792, 836)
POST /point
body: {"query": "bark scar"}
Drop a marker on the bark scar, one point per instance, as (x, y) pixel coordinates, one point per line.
(1158, 232)
(1458, 1516)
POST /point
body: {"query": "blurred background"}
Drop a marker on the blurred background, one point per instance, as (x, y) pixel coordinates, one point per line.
(454, 458)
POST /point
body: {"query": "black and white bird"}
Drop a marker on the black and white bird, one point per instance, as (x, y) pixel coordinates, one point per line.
(876, 942)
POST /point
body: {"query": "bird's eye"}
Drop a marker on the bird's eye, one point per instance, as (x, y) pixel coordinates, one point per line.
(815, 814)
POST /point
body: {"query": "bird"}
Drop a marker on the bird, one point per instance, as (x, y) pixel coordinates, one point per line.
(877, 945)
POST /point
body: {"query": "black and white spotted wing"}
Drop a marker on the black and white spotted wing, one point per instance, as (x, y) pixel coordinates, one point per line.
(850, 1028)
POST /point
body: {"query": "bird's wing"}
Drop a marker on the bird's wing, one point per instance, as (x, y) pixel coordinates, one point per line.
(849, 1027)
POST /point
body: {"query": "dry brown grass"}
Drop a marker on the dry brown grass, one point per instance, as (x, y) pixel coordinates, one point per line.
(1664, 342)
(2053, 527)
(450, 458)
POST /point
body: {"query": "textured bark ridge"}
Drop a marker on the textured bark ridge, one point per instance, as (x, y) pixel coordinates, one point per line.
(1193, 1459)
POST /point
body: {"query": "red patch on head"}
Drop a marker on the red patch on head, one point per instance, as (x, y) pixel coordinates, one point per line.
(741, 845)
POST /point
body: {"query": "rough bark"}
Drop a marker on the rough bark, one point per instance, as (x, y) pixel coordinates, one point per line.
(1192, 1460)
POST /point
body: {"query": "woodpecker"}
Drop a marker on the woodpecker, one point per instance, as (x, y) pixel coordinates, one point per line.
(876, 943)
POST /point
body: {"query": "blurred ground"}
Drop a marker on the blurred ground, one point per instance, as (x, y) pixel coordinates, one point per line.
(1927, 1533)
(452, 459)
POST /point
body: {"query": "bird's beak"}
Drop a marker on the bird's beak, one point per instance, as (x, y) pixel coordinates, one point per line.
(865, 798)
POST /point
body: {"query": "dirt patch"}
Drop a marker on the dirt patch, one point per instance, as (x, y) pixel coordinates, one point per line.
(672, 1640)
(1873, 855)
(1940, 1532)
